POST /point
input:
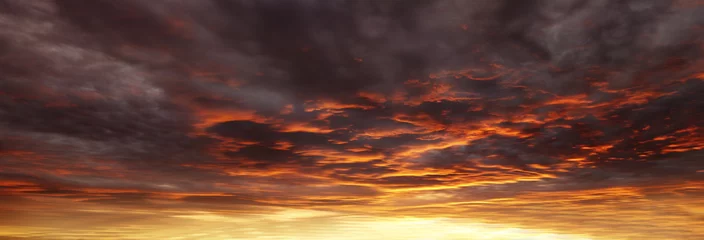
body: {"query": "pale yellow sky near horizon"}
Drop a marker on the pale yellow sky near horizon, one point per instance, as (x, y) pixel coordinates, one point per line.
(286, 224)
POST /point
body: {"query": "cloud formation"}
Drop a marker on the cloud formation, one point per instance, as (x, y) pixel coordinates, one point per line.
(498, 111)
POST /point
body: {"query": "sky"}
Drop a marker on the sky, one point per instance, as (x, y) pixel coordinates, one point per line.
(358, 119)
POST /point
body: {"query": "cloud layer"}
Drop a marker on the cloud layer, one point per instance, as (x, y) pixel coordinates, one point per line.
(570, 116)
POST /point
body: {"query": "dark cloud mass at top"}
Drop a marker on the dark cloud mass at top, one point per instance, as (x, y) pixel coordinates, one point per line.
(491, 108)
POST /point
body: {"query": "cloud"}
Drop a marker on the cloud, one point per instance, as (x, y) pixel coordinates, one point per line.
(494, 108)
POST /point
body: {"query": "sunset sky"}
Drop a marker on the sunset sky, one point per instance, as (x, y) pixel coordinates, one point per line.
(357, 119)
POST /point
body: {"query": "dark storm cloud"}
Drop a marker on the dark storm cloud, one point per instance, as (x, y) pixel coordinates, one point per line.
(361, 120)
(374, 167)
(277, 32)
(392, 143)
(265, 134)
(265, 156)
(482, 155)
(449, 112)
